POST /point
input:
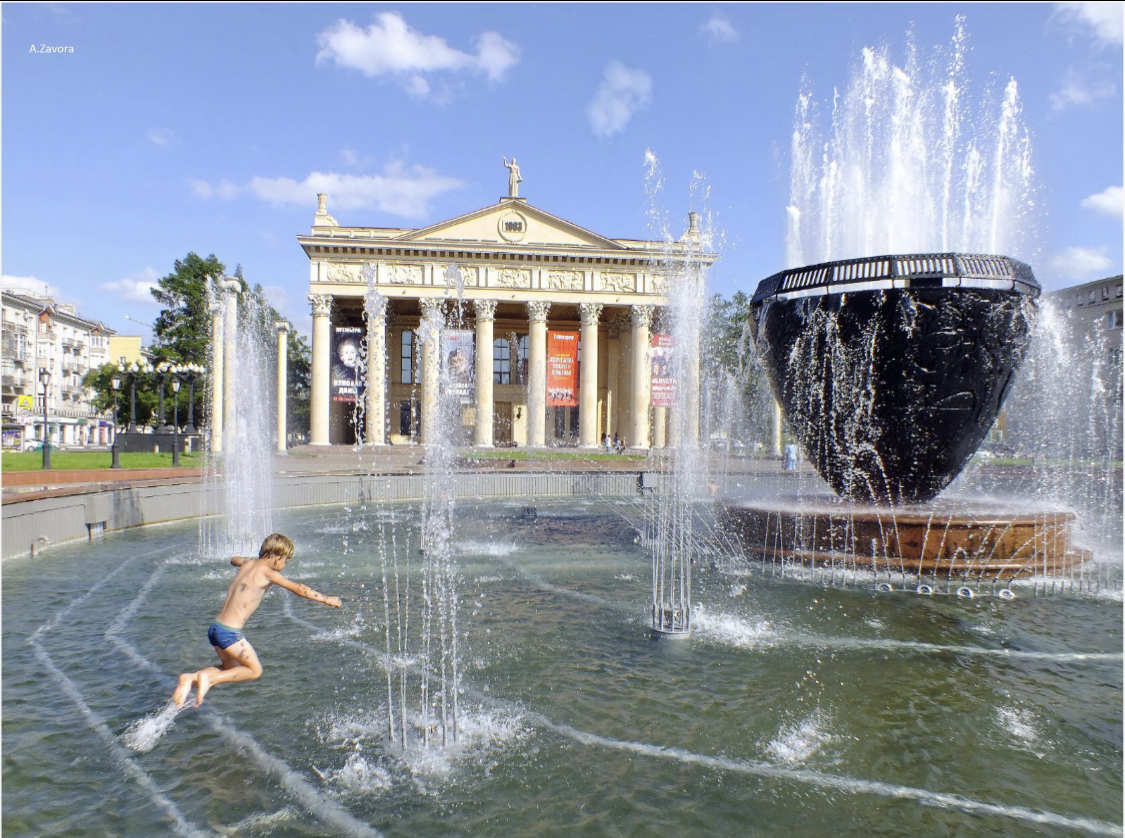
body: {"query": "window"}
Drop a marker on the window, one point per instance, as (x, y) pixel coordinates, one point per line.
(1117, 292)
(1078, 299)
(501, 361)
(407, 365)
(1113, 319)
(1093, 296)
(1105, 293)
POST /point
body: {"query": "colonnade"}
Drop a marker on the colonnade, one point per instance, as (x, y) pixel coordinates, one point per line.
(628, 374)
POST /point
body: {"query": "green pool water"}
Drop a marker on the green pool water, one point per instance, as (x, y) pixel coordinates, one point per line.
(793, 709)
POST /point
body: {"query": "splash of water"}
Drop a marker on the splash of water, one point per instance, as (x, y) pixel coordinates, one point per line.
(909, 163)
(242, 477)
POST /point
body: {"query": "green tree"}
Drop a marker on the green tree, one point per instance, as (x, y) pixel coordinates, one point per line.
(183, 328)
(100, 381)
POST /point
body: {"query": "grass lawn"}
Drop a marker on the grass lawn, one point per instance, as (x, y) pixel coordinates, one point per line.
(64, 460)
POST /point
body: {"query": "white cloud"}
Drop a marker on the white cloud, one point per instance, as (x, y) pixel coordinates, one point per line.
(1108, 201)
(1101, 19)
(622, 93)
(1080, 262)
(136, 288)
(398, 191)
(719, 30)
(160, 136)
(389, 47)
(31, 284)
(223, 189)
(1077, 90)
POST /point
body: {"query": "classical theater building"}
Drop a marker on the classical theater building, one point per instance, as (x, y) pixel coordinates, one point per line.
(553, 333)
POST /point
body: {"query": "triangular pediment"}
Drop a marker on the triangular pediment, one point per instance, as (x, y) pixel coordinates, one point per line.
(511, 223)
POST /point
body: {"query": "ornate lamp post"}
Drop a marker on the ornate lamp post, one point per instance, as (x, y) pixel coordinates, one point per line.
(45, 377)
(162, 371)
(175, 421)
(134, 369)
(115, 382)
(192, 370)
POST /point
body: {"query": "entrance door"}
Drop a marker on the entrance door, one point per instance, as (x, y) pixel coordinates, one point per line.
(502, 424)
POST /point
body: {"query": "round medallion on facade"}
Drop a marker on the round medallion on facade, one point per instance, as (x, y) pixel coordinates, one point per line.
(512, 226)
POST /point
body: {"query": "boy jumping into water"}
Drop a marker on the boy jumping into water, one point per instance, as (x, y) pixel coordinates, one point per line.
(240, 661)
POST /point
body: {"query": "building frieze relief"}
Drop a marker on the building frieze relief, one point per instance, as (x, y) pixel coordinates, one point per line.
(565, 280)
(622, 283)
(511, 278)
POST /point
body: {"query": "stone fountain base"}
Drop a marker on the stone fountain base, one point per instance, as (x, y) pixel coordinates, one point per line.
(940, 539)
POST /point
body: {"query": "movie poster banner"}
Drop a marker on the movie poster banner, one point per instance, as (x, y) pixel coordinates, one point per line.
(663, 380)
(345, 380)
(562, 369)
(458, 358)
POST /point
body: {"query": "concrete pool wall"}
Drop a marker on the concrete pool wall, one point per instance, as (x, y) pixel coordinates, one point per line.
(66, 514)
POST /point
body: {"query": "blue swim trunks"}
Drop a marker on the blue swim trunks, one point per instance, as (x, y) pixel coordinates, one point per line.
(223, 636)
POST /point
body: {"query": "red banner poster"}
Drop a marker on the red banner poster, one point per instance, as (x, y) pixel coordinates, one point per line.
(562, 369)
(663, 379)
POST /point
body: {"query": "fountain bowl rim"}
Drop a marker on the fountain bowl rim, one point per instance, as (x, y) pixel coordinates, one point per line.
(900, 271)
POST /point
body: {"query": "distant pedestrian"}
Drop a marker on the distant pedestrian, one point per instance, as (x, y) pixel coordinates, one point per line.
(789, 463)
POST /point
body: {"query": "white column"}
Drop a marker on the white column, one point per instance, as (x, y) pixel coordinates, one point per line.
(537, 374)
(282, 380)
(641, 377)
(216, 378)
(321, 362)
(612, 387)
(230, 289)
(660, 427)
(588, 376)
(431, 365)
(776, 447)
(375, 412)
(482, 395)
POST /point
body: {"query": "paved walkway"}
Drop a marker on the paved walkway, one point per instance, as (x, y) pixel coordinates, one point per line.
(401, 459)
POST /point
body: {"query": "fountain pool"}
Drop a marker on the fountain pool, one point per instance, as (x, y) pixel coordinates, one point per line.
(792, 708)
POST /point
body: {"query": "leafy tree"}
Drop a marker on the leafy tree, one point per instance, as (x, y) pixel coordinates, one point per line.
(300, 383)
(183, 328)
(100, 381)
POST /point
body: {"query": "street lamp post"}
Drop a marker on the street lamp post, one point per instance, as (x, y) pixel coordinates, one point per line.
(45, 377)
(175, 422)
(192, 371)
(162, 371)
(115, 382)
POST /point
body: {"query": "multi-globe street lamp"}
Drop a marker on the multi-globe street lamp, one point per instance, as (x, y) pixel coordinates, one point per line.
(133, 370)
(190, 373)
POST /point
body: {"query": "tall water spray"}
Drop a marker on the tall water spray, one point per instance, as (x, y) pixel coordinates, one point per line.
(422, 637)
(908, 162)
(672, 512)
(240, 480)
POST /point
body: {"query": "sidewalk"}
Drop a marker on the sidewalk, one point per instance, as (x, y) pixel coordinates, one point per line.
(345, 460)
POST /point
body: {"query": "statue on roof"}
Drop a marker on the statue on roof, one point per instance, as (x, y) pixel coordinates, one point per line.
(514, 178)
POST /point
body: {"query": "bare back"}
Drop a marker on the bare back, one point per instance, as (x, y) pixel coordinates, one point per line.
(245, 593)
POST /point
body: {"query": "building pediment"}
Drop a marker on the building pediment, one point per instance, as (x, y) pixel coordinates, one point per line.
(511, 222)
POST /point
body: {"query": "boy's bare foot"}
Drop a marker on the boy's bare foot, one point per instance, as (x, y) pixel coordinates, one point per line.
(204, 686)
(183, 688)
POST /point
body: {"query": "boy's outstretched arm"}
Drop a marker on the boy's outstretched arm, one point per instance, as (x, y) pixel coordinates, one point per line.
(301, 590)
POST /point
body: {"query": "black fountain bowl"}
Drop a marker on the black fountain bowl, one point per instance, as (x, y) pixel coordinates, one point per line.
(891, 390)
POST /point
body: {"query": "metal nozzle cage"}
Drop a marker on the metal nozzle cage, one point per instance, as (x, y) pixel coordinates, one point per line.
(923, 270)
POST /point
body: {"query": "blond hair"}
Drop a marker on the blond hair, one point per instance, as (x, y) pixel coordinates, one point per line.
(276, 545)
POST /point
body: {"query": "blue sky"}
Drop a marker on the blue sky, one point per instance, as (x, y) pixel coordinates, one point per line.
(209, 128)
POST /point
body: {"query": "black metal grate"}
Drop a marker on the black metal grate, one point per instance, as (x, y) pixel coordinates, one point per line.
(918, 269)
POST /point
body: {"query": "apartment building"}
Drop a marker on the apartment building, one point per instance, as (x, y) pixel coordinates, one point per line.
(39, 334)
